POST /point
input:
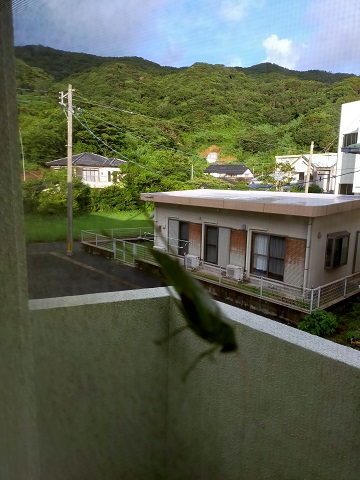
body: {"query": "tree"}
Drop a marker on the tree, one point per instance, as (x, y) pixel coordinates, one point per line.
(52, 199)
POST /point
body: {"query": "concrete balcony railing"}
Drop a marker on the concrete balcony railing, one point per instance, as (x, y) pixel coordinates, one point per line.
(112, 404)
(131, 245)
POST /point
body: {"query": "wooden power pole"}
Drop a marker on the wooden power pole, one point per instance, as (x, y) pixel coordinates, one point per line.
(69, 168)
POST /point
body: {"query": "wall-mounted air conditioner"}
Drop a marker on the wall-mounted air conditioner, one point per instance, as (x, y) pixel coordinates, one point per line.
(191, 261)
(234, 272)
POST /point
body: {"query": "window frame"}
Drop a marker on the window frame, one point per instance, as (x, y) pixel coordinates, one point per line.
(350, 139)
(207, 244)
(268, 257)
(90, 174)
(183, 240)
(334, 259)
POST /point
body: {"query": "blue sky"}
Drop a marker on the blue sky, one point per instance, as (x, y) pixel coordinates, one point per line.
(296, 34)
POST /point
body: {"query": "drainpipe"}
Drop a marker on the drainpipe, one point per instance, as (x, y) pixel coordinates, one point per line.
(307, 253)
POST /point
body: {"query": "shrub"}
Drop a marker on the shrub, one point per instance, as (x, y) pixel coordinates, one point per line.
(30, 193)
(319, 323)
(52, 200)
(313, 188)
(352, 335)
(115, 197)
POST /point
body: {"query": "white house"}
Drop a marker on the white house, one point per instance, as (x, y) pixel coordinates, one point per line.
(322, 170)
(94, 170)
(303, 240)
(230, 172)
(348, 166)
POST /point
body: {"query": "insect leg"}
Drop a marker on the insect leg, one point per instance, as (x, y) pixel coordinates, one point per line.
(171, 335)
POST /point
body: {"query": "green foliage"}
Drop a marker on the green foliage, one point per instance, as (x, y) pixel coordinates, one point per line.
(49, 196)
(320, 322)
(351, 336)
(313, 188)
(111, 198)
(253, 114)
(31, 78)
(53, 228)
(30, 192)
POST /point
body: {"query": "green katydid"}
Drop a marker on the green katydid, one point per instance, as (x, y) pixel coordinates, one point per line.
(201, 313)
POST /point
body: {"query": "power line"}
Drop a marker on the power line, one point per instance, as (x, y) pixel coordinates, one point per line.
(113, 149)
(145, 139)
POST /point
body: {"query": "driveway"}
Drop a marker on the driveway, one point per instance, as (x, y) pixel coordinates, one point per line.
(52, 273)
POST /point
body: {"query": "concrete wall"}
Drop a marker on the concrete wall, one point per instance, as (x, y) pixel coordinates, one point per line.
(346, 221)
(348, 163)
(112, 404)
(101, 385)
(286, 225)
(18, 442)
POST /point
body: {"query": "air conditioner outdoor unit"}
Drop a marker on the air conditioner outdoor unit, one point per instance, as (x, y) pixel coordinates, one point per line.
(234, 272)
(191, 261)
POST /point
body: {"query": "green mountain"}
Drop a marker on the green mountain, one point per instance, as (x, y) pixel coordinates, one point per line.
(60, 64)
(162, 118)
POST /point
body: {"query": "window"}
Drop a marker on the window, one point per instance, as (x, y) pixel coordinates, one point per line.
(211, 244)
(350, 139)
(268, 256)
(109, 176)
(337, 247)
(91, 174)
(183, 244)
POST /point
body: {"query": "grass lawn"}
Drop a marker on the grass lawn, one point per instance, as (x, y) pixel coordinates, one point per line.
(54, 228)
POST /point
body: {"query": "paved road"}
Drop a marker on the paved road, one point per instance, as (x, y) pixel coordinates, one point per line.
(51, 273)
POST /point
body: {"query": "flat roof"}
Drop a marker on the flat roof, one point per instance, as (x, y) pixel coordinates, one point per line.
(281, 203)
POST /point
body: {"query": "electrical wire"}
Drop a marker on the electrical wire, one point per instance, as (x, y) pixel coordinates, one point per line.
(140, 137)
(114, 150)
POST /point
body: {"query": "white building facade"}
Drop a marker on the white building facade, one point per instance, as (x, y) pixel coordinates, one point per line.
(347, 179)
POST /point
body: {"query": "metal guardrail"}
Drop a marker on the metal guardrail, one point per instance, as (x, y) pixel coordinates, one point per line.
(130, 245)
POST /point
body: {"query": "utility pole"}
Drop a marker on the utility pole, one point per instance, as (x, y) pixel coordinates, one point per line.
(69, 168)
(192, 172)
(309, 168)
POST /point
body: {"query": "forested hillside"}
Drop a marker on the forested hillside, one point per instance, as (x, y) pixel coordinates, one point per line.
(161, 119)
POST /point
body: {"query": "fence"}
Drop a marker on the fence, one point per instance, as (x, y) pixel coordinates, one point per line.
(130, 245)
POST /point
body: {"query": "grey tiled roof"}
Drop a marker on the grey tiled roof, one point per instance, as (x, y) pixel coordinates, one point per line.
(227, 169)
(87, 159)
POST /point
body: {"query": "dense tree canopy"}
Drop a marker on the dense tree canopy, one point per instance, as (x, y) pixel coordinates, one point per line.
(160, 119)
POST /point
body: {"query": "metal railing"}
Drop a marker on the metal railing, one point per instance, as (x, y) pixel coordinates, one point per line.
(131, 245)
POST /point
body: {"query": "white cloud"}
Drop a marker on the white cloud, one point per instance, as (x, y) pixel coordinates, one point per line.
(334, 45)
(236, 10)
(280, 51)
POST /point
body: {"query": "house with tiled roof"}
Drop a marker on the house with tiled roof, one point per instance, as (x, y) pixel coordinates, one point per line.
(229, 172)
(94, 170)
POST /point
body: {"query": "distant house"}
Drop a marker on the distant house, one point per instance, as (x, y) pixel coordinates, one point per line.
(230, 172)
(301, 240)
(94, 170)
(322, 171)
(348, 166)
